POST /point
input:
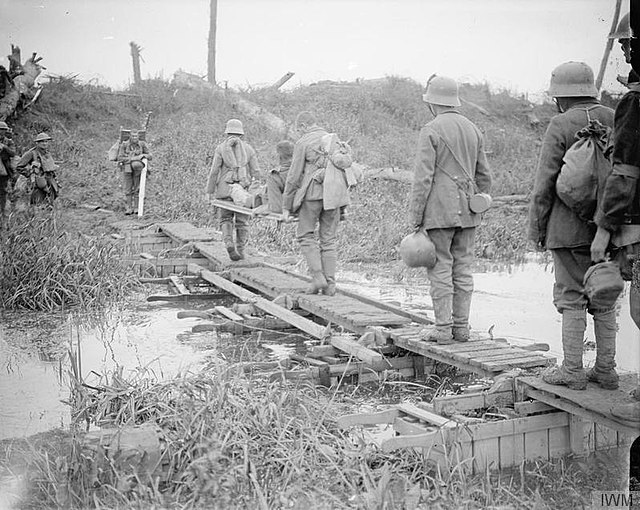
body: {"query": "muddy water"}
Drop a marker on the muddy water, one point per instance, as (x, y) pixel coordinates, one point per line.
(515, 301)
(34, 361)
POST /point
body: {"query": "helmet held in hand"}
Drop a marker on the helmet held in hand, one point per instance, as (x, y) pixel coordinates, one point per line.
(417, 250)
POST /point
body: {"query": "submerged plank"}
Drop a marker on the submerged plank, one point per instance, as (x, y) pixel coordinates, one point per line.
(310, 327)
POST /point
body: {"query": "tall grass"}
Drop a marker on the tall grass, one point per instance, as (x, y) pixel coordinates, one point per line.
(231, 439)
(46, 268)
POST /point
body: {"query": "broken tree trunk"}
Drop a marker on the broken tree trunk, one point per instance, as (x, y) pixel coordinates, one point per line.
(31, 69)
(135, 59)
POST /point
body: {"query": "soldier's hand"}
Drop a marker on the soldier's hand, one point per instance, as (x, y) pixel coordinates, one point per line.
(599, 245)
(285, 215)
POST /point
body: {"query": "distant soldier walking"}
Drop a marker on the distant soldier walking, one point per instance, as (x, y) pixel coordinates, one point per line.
(316, 189)
(131, 159)
(556, 226)
(234, 163)
(7, 173)
(450, 168)
(38, 166)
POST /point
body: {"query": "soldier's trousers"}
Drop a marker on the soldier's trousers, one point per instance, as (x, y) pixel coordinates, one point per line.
(131, 185)
(4, 192)
(275, 187)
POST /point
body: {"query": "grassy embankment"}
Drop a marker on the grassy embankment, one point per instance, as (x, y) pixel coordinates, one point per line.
(233, 440)
(381, 119)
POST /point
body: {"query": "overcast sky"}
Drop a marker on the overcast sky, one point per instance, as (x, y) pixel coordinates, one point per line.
(509, 43)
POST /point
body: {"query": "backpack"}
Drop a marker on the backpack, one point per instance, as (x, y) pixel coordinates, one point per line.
(585, 169)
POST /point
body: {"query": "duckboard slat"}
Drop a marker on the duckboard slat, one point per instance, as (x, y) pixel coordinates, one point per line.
(593, 404)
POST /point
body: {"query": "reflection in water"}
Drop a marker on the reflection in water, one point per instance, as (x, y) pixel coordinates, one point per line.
(515, 300)
(33, 347)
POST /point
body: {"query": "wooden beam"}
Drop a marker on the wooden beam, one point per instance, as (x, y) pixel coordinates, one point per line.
(229, 314)
(350, 346)
(179, 286)
(310, 327)
(451, 404)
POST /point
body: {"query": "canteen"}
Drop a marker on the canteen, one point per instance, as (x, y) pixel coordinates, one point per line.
(417, 250)
(480, 202)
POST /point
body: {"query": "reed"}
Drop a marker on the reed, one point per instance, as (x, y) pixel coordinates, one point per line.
(45, 267)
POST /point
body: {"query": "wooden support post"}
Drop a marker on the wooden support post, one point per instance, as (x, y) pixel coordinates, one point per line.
(608, 46)
(211, 60)
(310, 327)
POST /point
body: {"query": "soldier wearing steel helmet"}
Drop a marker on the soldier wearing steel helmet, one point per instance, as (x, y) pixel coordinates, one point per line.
(234, 162)
(7, 172)
(618, 216)
(555, 226)
(450, 166)
(131, 159)
(38, 166)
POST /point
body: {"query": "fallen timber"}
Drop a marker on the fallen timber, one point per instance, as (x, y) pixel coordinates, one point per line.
(519, 420)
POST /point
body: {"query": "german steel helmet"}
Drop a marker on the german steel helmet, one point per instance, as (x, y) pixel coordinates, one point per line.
(572, 79)
(3, 125)
(137, 165)
(417, 250)
(234, 127)
(603, 284)
(624, 29)
(442, 90)
(41, 137)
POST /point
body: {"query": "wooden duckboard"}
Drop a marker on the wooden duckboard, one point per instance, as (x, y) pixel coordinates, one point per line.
(593, 404)
(187, 233)
(484, 357)
(164, 267)
(347, 311)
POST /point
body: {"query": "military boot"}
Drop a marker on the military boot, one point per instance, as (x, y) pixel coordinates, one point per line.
(329, 262)
(461, 308)
(604, 372)
(227, 237)
(128, 208)
(242, 236)
(442, 333)
(630, 411)
(312, 256)
(571, 373)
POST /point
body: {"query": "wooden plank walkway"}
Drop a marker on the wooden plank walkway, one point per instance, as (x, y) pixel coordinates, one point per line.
(353, 312)
(485, 357)
(593, 404)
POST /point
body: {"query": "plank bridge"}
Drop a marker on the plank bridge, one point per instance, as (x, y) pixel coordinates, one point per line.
(382, 336)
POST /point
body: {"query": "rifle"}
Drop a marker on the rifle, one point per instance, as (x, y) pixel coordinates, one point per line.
(143, 175)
